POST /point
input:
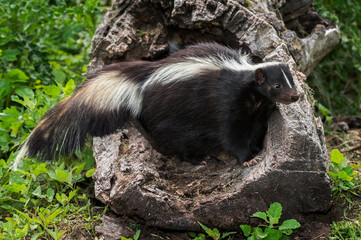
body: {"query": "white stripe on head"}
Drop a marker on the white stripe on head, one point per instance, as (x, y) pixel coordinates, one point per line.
(286, 78)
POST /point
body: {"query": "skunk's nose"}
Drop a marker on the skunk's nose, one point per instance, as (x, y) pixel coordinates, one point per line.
(295, 97)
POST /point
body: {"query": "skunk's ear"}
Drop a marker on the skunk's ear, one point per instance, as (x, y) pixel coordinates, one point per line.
(260, 78)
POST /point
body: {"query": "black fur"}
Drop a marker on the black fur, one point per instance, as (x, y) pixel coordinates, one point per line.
(217, 109)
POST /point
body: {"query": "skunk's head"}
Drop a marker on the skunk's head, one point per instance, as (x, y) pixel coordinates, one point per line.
(274, 81)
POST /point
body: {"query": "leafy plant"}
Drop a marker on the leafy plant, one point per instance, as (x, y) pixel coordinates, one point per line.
(43, 55)
(213, 233)
(271, 231)
(343, 176)
(32, 209)
(336, 80)
(41, 38)
(15, 123)
(135, 237)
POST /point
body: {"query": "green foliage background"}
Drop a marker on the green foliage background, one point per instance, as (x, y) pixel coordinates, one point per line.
(337, 78)
(43, 56)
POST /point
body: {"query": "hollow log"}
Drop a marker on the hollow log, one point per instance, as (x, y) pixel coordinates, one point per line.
(139, 183)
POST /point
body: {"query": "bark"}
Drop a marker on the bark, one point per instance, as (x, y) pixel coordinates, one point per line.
(140, 183)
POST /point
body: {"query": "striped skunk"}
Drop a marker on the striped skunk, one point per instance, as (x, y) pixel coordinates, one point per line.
(198, 101)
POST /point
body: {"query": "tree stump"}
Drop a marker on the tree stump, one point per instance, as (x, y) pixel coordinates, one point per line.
(138, 182)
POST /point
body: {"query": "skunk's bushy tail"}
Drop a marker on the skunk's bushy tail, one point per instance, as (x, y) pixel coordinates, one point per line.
(100, 106)
(107, 99)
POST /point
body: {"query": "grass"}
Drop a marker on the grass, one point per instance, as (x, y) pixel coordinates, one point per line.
(348, 229)
(346, 184)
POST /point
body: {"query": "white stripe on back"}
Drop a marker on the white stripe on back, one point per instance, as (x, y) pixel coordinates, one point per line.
(111, 91)
(191, 66)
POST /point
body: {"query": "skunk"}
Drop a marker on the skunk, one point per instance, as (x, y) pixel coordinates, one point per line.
(199, 101)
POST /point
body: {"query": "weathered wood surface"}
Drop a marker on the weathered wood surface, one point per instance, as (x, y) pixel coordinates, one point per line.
(140, 183)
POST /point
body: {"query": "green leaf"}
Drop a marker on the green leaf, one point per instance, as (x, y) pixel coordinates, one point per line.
(50, 194)
(10, 114)
(52, 90)
(342, 185)
(20, 233)
(4, 141)
(16, 177)
(30, 104)
(274, 220)
(36, 236)
(290, 224)
(137, 234)
(273, 234)
(37, 192)
(336, 156)
(16, 75)
(59, 75)
(41, 168)
(343, 175)
(224, 235)
(16, 188)
(332, 174)
(323, 109)
(275, 211)
(52, 233)
(343, 163)
(69, 87)
(260, 234)
(261, 215)
(215, 234)
(25, 92)
(90, 172)
(52, 174)
(72, 194)
(287, 232)
(10, 54)
(79, 168)
(49, 219)
(246, 229)
(212, 233)
(63, 176)
(206, 229)
(348, 170)
(5, 88)
(62, 199)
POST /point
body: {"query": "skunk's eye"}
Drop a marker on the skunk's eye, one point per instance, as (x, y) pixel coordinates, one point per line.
(277, 85)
